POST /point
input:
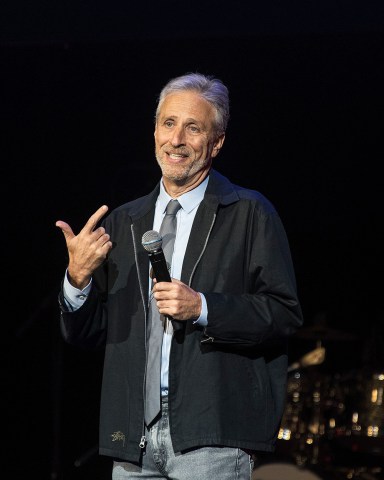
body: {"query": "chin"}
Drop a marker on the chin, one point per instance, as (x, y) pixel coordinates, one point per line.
(174, 171)
(176, 177)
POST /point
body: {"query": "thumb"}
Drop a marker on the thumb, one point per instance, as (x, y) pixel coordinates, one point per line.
(66, 229)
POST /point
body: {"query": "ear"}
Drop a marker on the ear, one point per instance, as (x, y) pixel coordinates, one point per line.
(218, 144)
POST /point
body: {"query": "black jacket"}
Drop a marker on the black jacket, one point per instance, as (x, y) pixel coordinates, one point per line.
(226, 382)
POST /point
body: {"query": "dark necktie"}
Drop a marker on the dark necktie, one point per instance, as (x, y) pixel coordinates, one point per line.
(157, 322)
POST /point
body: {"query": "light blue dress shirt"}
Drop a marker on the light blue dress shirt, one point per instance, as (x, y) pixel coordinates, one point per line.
(189, 204)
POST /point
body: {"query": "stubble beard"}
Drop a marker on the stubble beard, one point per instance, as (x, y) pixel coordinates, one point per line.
(180, 174)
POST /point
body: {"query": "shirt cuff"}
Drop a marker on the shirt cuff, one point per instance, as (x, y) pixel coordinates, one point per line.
(203, 319)
(74, 297)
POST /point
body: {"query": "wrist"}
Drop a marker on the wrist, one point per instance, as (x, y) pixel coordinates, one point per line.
(78, 280)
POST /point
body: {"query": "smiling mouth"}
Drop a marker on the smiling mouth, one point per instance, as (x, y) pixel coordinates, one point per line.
(177, 156)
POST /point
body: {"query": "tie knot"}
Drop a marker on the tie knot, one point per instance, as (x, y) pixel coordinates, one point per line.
(172, 207)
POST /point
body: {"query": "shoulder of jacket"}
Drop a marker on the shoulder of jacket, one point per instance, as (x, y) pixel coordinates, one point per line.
(229, 193)
(135, 208)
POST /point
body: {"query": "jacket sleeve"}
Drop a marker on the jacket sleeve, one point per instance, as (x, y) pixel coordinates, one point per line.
(269, 308)
(86, 326)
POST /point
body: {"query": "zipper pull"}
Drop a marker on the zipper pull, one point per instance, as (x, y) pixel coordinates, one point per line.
(207, 339)
(143, 442)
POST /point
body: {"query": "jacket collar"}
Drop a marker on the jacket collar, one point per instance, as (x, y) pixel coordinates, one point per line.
(220, 191)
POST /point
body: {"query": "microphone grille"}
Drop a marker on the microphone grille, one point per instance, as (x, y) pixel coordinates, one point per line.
(152, 241)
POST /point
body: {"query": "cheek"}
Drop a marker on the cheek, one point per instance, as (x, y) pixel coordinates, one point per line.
(160, 140)
(200, 146)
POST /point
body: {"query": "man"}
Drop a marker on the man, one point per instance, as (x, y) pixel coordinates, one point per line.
(232, 304)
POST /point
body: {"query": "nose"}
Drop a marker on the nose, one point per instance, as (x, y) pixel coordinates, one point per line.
(177, 138)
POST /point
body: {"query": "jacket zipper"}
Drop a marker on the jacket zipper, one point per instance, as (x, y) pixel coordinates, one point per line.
(203, 250)
(143, 439)
(190, 281)
(208, 339)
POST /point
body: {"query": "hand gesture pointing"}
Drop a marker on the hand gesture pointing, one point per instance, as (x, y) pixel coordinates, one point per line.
(87, 250)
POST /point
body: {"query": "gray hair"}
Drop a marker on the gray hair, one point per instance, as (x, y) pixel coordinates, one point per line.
(211, 89)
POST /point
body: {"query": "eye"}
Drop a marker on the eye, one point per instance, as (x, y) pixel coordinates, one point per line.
(193, 129)
(168, 123)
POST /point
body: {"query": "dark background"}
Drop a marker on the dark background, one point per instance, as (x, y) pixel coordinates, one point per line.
(79, 87)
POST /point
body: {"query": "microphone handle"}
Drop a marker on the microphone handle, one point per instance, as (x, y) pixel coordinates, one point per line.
(161, 273)
(159, 266)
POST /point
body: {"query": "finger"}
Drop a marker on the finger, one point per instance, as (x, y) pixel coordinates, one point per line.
(66, 229)
(161, 286)
(95, 218)
(104, 239)
(99, 234)
(103, 249)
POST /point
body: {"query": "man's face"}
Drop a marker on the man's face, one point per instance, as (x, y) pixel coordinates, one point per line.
(185, 138)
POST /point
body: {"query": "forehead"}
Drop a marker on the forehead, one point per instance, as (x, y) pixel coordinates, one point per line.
(187, 104)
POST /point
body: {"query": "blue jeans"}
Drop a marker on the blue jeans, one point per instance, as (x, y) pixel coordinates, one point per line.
(206, 463)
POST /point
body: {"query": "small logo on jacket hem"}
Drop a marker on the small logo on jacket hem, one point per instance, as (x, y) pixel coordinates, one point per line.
(118, 437)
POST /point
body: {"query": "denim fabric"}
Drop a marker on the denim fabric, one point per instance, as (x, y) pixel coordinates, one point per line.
(207, 463)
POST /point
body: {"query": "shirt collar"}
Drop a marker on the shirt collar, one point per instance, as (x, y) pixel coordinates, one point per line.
(188, 201)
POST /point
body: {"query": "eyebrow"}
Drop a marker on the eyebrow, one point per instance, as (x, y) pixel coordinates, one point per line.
(187, 120)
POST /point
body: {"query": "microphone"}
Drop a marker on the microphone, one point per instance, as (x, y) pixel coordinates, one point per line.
(152, 241)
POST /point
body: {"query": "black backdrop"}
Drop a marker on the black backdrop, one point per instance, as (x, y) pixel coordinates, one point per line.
(306, 90)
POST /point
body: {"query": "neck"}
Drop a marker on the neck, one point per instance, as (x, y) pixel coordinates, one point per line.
(176, 189)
